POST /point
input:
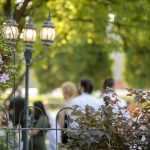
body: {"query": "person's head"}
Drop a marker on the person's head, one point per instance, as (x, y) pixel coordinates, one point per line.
(108, 83)
(69, 90)
(39, 109)
(86, 86)
(16, 106)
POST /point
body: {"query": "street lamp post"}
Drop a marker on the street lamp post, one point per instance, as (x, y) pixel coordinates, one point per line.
(47, 35)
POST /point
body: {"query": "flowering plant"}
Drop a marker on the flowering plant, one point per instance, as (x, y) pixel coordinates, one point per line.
(6, 67)
(109, 129)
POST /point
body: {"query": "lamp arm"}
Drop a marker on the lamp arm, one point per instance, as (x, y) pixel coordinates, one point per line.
(42, 56)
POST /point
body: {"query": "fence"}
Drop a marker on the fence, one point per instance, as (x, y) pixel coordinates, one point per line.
(11, 138)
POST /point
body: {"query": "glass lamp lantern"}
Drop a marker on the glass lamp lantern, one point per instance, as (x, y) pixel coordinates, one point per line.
(47, 33)
(29, 33)
(10, 28)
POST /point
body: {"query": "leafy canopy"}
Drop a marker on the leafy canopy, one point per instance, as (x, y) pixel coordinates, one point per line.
(85, 36)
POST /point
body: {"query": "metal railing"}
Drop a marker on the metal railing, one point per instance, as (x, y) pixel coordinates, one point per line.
(10, 137)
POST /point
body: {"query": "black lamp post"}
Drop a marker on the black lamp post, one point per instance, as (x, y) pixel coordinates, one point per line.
(29, 37)
(47, 35)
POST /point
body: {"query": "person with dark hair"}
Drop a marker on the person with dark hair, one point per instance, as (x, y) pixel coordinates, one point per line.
(109, 95)
(15, 108)
(86, 86)
(37, 139)
(85, 98)
(108, 83)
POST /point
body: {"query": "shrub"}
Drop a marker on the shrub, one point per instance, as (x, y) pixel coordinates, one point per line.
(106, 129)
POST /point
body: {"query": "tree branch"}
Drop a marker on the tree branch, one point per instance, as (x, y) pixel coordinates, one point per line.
(20, 12)
(7, 7)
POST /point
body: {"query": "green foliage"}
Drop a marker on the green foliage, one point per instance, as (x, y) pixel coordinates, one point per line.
(80, 49)
(6, 67)
(82, 65)
(82, 40)
(8, 140)
(132, 26)
(85, 36)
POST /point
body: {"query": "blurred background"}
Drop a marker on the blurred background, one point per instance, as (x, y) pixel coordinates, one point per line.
(94, 38)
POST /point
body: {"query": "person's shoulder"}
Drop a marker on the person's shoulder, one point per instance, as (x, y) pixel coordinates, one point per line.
(101, 100)
(43, 118)
(42, 122)
(74, 101)
(94, 98)
(122, 103)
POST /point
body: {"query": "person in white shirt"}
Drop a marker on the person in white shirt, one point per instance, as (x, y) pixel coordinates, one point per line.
(108, 94)
(51, 134)
(85, 97)
(110, 83)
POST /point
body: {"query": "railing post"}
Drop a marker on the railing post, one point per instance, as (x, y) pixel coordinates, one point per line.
(57, 120)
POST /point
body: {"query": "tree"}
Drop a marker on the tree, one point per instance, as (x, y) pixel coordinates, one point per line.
(80, 48)
(83, 45)
(132, 25)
